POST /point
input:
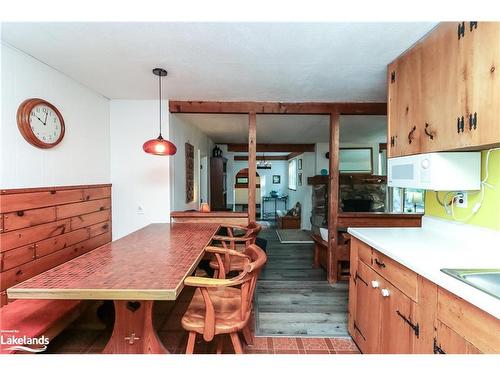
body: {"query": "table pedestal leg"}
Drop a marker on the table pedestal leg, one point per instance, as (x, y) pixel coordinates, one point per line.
(133, 332)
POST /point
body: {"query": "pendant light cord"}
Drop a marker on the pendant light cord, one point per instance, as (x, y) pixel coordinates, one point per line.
(159, 89)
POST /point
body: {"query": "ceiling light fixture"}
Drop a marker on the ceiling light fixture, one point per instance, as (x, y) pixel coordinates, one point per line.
(159, 146)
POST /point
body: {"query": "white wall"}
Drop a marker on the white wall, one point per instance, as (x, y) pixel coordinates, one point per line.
(321, 161)
(180, 133)
(303, 194)
(82, 157)
(139, 179)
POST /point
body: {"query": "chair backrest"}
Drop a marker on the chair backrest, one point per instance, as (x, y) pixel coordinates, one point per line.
(257, 259)
(253, 230)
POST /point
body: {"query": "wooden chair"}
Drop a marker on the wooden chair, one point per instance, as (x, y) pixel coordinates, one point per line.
(234, 243)
(223, 306)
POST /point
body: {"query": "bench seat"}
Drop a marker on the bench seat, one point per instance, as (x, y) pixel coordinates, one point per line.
(34, 318)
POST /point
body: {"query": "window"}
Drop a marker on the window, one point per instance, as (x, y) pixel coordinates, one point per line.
(292, 174)
(407, 200)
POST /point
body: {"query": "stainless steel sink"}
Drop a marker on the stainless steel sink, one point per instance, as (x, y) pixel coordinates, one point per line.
(486, 280)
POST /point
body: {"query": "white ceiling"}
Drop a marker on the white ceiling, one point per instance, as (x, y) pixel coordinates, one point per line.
(229, 128)
(222, 61)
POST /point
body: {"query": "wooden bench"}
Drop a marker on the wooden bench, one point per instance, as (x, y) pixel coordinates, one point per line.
(36, 318)
(287, 221)
(41, 228)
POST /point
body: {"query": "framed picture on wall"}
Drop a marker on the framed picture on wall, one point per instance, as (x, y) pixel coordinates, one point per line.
(276, 179)
(300, 179)
(299, 165)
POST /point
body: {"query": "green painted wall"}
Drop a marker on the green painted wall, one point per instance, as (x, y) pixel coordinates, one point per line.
(489, 214)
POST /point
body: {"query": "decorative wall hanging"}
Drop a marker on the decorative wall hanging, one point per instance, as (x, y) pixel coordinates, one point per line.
(299, 165)
(276, 179)
(189, 172)
(300, 179)
(159, 146)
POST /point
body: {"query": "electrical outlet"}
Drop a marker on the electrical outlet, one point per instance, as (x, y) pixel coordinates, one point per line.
(140, 210)
(461, 200)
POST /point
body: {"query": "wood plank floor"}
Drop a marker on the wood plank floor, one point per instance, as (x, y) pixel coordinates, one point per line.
(294, 299)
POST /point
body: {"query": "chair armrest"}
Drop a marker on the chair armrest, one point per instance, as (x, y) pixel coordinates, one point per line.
(231, 239)
(205, 282)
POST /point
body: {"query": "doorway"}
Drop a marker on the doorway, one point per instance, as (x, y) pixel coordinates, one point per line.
(203, 178)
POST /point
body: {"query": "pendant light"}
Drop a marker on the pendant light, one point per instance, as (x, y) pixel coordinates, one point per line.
(159, 146)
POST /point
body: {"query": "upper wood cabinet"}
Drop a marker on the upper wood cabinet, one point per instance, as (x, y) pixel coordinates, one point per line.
(444, 92)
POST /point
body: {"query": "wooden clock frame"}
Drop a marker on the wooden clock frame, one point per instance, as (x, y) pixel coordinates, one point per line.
(23, 122)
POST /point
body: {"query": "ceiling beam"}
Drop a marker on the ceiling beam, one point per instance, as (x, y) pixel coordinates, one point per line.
(272, 147)
(261, 157)
(306, 108)
(293, 155)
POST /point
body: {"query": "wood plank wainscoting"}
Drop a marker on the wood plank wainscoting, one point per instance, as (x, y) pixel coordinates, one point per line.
(41, 228)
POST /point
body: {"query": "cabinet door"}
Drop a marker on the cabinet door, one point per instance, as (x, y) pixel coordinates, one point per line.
(444, 98)
(396, 334)
(450, 342)
(404, 91)
(367, 314)
(483, 83)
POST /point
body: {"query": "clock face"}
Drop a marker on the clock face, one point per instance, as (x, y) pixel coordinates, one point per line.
(40, 123)
(45, 124)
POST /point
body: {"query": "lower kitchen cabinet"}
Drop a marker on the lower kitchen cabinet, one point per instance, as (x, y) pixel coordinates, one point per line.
(397, 331)
(366, 334)
(394, 310)
(449, 342)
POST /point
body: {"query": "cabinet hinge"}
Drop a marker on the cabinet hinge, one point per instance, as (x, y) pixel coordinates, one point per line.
(357, 329)
(461, 30)
(414, 327)
(393, 76)
(472, 25)
(393, 141)
(473, 121)
(359, 278)
(460, 124)
(437, 349)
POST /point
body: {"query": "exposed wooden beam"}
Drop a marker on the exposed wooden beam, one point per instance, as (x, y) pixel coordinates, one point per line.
(252, 165)
(260, 157)
(293, 155)
(333, 196)
(272, 147)
(306, 108)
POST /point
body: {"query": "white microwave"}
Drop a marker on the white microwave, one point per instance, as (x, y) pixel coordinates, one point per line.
(439, 171)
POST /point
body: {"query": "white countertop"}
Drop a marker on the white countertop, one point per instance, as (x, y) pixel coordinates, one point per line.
(441, 244)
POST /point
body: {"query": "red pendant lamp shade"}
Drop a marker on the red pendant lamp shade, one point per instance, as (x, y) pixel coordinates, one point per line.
(159, 146)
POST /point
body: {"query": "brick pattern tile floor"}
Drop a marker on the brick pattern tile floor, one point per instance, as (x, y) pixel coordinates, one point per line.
(167, 318)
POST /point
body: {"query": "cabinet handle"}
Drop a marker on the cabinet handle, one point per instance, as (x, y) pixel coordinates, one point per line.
(393, 141)
(375, 284)
(385, 292)
(430, 134)
(410, 135)
(379, 263)
(473, 25)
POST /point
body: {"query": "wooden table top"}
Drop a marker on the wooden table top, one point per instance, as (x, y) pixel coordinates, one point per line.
(149, 264)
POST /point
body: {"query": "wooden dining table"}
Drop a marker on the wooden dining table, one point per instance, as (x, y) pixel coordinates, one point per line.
(134, 271)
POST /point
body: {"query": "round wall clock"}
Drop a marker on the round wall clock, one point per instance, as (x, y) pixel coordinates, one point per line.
(40, 123)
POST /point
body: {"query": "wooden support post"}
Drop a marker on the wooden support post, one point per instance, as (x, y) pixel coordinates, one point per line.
(252, 165)
(333, 197)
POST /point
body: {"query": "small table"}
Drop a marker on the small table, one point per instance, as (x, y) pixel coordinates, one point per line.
(283, 198)
(134, 271)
